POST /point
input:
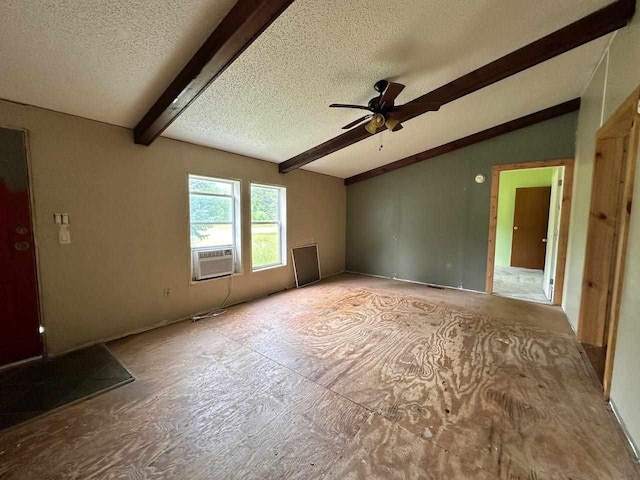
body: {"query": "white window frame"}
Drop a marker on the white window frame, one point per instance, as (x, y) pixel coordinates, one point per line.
(282, 224)
(236, 221)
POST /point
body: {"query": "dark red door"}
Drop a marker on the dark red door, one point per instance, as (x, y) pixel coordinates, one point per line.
(19, 320)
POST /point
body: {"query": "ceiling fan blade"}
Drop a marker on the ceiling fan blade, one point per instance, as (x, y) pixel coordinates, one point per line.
(418, 107)
(356, 122)
(391, 93)
(345, 105)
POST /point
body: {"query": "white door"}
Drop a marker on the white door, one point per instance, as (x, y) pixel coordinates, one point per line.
(553, 233)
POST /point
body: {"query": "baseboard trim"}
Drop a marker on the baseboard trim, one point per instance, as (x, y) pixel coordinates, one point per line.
(333, 274)
(172, 321)
(159, 325)
(20, 362)
(447, 287)
(118, 337)
(633, 448)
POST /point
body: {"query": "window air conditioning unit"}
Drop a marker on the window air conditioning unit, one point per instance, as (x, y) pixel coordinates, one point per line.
(212, 262)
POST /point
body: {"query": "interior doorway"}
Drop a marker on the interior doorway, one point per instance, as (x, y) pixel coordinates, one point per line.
(528, 230)
(20, 337)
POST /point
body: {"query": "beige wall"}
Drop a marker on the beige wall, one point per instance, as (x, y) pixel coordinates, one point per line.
(625, 385)
(617, 76)
(589, 120)
(128, 207)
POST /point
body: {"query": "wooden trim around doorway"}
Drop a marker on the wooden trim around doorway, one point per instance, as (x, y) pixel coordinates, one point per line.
(617, 145)
(567, 188)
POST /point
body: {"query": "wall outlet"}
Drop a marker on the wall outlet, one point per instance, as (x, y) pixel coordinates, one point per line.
(167, 292)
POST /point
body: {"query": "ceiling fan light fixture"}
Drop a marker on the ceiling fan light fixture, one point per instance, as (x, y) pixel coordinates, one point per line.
(383, 110)
(375, 123)
(370, 127)
(392, 123)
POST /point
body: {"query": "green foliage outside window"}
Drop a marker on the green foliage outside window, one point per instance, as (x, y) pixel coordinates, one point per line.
(210, 209)
(265, 236)
(264, 204)
(265, 245)
(203, 185)
(211, 216)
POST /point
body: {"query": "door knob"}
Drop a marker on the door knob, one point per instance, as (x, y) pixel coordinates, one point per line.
(544, 240)
(22, 246)
(515, 228)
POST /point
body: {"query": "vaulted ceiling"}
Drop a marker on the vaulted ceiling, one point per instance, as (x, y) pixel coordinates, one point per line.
(109, 60)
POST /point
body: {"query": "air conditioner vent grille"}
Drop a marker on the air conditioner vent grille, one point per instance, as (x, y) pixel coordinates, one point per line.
(212, 263)
(215, 253)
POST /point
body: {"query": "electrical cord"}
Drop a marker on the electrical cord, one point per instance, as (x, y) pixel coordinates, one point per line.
(216, 311)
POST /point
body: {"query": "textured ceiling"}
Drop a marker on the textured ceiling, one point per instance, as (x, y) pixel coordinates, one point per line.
(560, 79)
(272, 103)
(106, 60)
(109, 60)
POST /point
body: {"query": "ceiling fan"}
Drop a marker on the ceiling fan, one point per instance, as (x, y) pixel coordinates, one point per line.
(383, 110)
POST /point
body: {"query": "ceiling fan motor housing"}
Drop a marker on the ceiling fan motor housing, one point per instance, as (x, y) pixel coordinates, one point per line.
(383, 111)
(374, 105)
(380, 86)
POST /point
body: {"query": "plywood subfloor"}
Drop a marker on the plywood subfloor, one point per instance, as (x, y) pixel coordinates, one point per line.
(354, 377)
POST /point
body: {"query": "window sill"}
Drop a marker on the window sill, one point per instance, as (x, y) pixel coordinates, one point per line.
(207, 280)
(269, 267)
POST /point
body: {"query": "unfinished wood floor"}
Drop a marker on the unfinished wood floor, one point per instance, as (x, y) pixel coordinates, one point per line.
(354, 377)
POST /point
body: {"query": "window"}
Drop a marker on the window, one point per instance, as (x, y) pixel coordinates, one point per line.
(214, 214)
(268, 226)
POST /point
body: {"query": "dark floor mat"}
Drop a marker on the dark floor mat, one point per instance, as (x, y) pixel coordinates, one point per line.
(30, 390)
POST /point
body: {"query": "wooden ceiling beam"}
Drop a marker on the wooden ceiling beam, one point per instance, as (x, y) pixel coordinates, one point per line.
(239, 29)
(537, 117)
(595, 25)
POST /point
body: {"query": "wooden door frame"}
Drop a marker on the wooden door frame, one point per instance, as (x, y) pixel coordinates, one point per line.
(565, 210)
(36, 249)
(624, 122)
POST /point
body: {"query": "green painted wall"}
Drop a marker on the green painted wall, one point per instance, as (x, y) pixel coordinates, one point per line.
(429, 222)
(509, 181)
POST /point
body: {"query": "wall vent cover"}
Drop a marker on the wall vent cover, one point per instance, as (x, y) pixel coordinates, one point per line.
(306, 264)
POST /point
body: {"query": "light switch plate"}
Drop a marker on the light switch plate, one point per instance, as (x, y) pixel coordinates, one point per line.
(61, 218)
(64, 235)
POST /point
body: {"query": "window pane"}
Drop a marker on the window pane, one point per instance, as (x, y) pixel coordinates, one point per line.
(265, 244)
(211, 235)
(203, 185)
(210, 209)
(264, 204)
